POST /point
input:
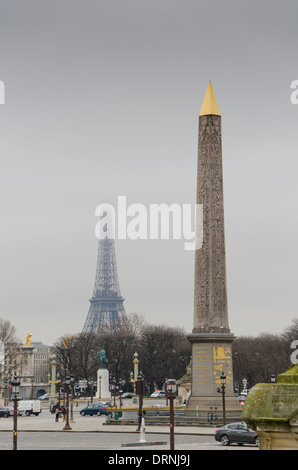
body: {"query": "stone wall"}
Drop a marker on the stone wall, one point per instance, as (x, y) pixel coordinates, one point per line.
(272, 410)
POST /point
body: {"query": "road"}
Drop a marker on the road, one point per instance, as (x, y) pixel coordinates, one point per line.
(108, 441)
(91, 433)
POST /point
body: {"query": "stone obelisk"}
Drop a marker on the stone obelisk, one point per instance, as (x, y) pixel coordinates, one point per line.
(211, 338)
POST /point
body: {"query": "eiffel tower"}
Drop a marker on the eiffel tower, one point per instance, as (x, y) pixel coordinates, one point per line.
(106, 303)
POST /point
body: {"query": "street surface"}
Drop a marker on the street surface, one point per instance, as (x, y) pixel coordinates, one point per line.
(69, 440)
(92, 433)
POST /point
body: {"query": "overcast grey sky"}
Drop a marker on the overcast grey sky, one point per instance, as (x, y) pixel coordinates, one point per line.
(102, 99)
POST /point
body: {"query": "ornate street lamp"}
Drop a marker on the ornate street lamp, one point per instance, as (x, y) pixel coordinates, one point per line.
(223, 386)
(59, 387)
(5, 391)
(140, 390)
(72, 381)
(32, 382)
(135, 373)
(121, 383)
(114, 392)
(15, 387)
(171, 388)
(53, 378)
(67, 384)
(91, 390)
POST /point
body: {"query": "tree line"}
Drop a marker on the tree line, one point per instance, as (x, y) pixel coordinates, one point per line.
(260, 359)
(163, 352)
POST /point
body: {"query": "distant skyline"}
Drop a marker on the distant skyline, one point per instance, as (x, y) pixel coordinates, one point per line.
(102, 99)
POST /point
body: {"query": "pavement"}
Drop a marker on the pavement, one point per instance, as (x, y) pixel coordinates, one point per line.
(45, 422)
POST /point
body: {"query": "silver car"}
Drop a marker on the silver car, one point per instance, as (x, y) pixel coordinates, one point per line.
(236, 433)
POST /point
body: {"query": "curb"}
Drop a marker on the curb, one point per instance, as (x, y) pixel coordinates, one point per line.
(152, 443)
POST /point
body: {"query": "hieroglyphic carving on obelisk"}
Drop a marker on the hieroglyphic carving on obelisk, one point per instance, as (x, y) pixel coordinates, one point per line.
(210, 294)
(211, 338)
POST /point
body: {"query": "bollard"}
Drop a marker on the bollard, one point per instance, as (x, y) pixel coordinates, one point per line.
(142, 430)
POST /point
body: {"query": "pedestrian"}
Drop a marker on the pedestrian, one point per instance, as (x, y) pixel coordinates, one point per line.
(58, 413)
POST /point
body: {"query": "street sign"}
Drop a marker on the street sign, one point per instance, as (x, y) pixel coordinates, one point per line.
(83, 383)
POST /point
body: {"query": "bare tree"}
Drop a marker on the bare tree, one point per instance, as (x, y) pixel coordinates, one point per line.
(11, 350)
(76, 354)
(259, 358)
(164, 354)
(120, 344)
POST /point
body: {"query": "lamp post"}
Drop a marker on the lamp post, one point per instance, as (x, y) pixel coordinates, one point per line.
(53, 378)
(15, 384)
(223, 384)
(140, 390)
(121, 382)
(72, 380)
(58, 382)
(135, 373)
(171, 390)
(166, 385)
(67, 425)
(32, 382)
(99, 386)
(114, 391)
(9, 386)
(91, 390)
(5, 390)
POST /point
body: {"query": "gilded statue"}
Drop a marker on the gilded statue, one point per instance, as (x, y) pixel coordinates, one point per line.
(28, 340)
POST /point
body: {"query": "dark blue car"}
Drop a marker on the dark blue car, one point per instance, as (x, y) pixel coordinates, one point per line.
(95, 409)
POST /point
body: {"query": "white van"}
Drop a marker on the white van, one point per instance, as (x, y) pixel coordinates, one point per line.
(29, 407)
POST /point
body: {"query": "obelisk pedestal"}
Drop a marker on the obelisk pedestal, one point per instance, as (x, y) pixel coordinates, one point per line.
(211, 338)
(211, 355)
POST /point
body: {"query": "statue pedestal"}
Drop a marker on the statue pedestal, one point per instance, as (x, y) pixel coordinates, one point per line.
(103, 389)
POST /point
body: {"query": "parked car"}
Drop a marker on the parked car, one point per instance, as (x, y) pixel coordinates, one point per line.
(237, 433)
(95, 409)
(44, 397)
(127, 395)
(6, 411)
(158, 394)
